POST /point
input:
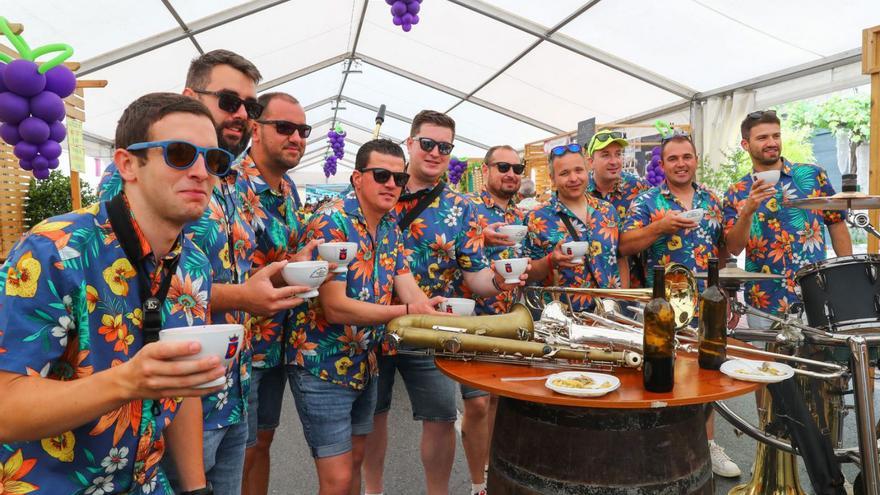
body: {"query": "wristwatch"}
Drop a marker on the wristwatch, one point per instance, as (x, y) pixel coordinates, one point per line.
(207, 490)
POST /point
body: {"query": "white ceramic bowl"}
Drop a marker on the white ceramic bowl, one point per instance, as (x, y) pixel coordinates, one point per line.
(341, 253)
(577, 249)
(223, 341)
(307, 273)
(768, 176)
(458, 306)
(516, 233)
(695, 215)
(511, 269)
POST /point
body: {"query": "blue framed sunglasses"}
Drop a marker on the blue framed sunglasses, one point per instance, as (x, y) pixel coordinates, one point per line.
(181, 155)
(567, 148)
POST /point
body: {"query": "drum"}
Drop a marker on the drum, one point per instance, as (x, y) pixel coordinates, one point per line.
(842, 294)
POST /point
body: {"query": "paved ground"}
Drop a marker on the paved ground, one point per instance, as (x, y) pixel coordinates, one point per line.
(293, 469)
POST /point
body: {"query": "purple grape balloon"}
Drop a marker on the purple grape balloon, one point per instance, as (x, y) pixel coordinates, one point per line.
(50, 150)
(41, 173)
(53, 163)
(61, 81)
(21, 77)
(9, 133)
(13, 108)
(2, 84)
(57, 132)
(26, 165)
(25, 150)
(47, 106)
(34, 130)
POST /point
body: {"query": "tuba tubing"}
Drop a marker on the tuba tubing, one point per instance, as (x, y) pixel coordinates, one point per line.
(517, 324)
(454, 342)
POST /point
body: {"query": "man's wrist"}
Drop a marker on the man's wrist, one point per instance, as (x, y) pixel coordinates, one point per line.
(206, 490)
(495, 283)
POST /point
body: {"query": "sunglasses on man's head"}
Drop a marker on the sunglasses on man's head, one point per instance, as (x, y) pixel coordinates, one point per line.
(568, 148)
(181, 155)
(760, 113)
(503, 167)
(286, 128)
(382, 175)
(427, 144)
(230, 102)
(606, 135)
(675, 135)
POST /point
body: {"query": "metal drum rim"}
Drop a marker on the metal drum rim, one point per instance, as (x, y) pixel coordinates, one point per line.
(851, 259)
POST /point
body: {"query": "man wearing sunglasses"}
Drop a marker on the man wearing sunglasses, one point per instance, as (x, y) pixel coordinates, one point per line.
(228, 239)
(573, 215)
(445, 243)
(333, 373)
(91, 401)
(777, 238)
(608, 181)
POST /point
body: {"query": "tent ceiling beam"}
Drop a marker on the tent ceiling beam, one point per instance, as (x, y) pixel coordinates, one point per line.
(459, 94)
(173, 35)
(183, 26)
(302, 72)
(576, 46)
(368, 130)
(525, 52)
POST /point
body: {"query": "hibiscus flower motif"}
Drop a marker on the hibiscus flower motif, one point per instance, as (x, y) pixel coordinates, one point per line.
(117, 274)
(342, 365)
(759, 298)
(354, 341)
(101, 485)
(13, 471)
(21, 279)
(116, 460)
(114, 328)
(59, 331)
(60, 447)
(186, 295)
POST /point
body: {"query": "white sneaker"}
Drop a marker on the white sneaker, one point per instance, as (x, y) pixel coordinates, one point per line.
(721, 463)
(458, 418)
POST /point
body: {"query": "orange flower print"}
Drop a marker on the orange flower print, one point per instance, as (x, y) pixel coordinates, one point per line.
(188, 296)
(13, 471)
(113, 328)
(759, 298)
(117, 275)
(126, 417)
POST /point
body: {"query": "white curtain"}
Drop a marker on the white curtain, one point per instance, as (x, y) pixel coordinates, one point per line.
(721, 119)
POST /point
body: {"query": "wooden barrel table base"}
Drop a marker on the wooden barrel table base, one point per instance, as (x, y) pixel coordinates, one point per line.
(541, 449)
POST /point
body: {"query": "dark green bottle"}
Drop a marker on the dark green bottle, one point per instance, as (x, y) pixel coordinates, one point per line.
(713, 322)
(658, 367)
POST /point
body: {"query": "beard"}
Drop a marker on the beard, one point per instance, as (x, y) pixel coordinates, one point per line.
(235, 147)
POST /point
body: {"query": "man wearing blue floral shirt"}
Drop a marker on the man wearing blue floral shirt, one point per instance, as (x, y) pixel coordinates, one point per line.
(88, 405)
(333, 369)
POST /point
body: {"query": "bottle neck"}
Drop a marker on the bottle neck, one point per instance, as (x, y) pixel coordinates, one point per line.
(713, 273)
(659, 283)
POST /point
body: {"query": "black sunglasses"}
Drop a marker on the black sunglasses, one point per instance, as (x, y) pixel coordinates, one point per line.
(183, 154)
(567, 148)
(760, 113)
(428, 144)
(286, 128)
(382, 175)
(230, 102)
(675, 135)
(503, 167)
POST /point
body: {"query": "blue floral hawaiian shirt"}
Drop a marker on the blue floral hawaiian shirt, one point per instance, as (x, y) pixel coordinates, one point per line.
(346, 354)
(277, 224)
(782, 239)
(691, 247)
(211, 234)
(547, 229)
(70, 306)
(489, 212)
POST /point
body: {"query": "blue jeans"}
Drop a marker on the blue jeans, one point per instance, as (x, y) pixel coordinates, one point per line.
(223, 455)
(264, 401)
(431, 393)
(331, 414)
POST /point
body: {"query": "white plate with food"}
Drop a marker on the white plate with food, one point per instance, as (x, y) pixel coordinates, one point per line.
(582, 383)
(757, 371)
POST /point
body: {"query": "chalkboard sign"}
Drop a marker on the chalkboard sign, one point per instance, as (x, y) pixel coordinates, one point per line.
(586, 129)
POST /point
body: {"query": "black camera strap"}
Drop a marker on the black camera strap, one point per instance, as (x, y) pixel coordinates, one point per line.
(427, 197)
(151, 303)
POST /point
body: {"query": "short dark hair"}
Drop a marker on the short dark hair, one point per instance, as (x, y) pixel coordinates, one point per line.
(491, 151)
(678, 138)
(136, 121)
(431, 117)
(755, 118)
(384, 146)
(266, 98)
(200, 68)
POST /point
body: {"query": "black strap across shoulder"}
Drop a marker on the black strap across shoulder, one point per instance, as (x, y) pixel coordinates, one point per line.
(423, 203)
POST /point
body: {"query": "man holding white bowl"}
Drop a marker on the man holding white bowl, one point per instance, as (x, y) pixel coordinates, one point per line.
(333, 370)
(572, 240)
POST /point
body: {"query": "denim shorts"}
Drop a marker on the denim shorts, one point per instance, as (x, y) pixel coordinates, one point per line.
(468, 392)
(264, 401)
(330, 414)
(431, 393)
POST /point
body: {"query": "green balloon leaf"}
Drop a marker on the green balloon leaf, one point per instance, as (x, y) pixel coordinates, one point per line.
(64, 50)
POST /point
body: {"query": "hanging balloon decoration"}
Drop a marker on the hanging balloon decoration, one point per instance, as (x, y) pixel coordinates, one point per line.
(31, 102)
(654, 172)
(457, 167)
(405, 13)
(336, 139)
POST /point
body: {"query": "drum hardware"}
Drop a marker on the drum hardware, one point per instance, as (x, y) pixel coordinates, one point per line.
(840, 201)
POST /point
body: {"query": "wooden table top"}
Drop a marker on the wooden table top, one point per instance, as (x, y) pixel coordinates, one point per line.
(692, 384)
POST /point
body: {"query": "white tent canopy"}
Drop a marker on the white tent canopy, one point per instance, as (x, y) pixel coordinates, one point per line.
(508, 71)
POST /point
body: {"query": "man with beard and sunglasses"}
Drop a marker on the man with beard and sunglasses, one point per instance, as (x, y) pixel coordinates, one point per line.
(333, 369)
(444, 247)
(226, 83)
(270, 203)
(573, 215)
(778, 239)
(496, 205)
